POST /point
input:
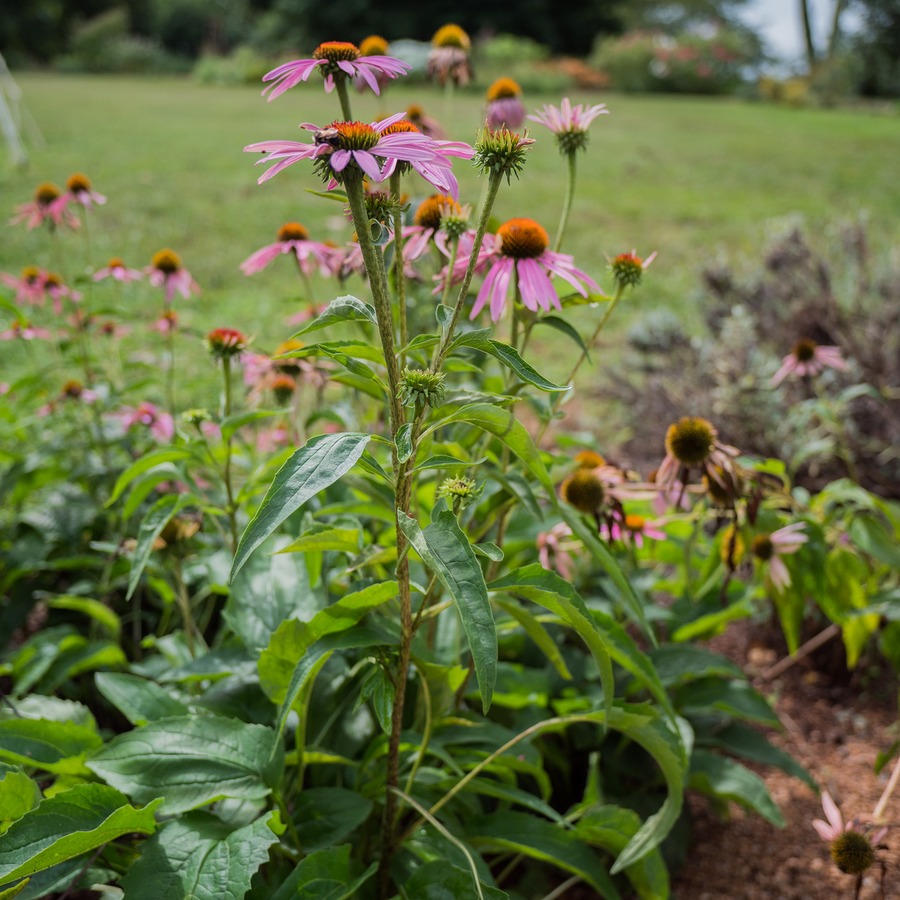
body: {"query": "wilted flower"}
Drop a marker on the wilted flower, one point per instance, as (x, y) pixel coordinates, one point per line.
(335, 59)
(520, 250)
(225, 343)
(344, 143)
(725, 488)
(117, 269)
(78, 190)
(166, 271)
(161, 424)
(293, 238)
(769, 548)
(731, 549)
(569, 123)
(43, 207)
(504, 104)
(809, 358)
(449, 56)
(851, 849)
(627, 268)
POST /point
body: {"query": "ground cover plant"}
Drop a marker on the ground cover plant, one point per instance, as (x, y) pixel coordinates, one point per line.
(341, 626)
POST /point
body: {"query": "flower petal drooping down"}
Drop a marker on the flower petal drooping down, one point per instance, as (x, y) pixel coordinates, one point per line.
(293, 238)
(809, 358)
(166, 271)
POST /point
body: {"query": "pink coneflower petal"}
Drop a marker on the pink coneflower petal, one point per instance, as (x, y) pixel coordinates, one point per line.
(826, 832)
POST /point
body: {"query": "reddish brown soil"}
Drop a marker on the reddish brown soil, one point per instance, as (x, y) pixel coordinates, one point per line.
(835, 724)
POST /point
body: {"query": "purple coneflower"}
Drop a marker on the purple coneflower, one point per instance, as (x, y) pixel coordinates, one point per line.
(519, 250)
(29, 286)
(334, 59)
(809, 358)
(569, 123)
(554, 541)
(161, 424)
(43, 207)
(769, 548)
(631, 528)
(26, 331)
(78, 190)
(504, 108)
(693, 443)
(52, 285)
(293, 238)
(118, 271)
(425, 123)
(166, 271)
(852, 851)
(449, 56)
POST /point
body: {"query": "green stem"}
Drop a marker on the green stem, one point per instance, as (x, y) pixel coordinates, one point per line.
(279, 802)
(184, 604)
(399, 277)
(170, 378)
(340, 82)
(567, 202)
(483, 219)
(232, 508)
(454, 249)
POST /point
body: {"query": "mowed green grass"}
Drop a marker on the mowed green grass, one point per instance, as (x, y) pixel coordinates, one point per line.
(693, 178)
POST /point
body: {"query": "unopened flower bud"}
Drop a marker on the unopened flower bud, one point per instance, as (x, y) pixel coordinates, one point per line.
(421, 387)
(501, 152)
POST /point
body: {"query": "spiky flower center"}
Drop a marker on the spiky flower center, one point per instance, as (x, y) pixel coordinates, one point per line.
(430, 211)
(52, 280)
(627, 269)
(587, 459)
(500, 152)
(373, 45)
(354, 135)
(452, 36)
(502, 88)
(337, 51)
(522, 238)
(46, 193)
(166, 261)
(401, 127)
(583, 490)
(78, 183)
(224, 343)
(804, 350)
(31, 274)
(116, 262)
(458, 491)
(72, 389)
(634, 522)
(414, 113)
(762, 547)
(690, 440)
(283, 387)
(852, 852)
(292, 231)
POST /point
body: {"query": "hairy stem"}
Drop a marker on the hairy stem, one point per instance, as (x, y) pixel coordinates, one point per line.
(567, 202)
(232, 510)
(399, 277)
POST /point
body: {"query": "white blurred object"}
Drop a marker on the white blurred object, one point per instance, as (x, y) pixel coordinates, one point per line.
(12, 111)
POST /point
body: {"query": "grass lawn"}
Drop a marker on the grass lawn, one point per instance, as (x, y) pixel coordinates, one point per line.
(690, 177)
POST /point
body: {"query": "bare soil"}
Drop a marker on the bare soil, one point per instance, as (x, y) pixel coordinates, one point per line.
(836, 723)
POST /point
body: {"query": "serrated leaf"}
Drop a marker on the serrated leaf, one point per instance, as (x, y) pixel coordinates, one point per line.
(191, 761)
(200, 857)
(503, 424)
(343, 309)
(446, 550)
(322, 461)
(150, 529)
(717, 776)
(67, 825)
(145, 463)
(139, 700)
(58, 747)
(326, 815)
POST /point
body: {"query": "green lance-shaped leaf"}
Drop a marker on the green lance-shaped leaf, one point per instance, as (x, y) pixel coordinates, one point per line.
(200, 857)
(537, 633)
(96, 610)
(346, 540)
(289, 643)
(602, 555)
(67, 825)
(139, 700)
(58, 747)
(446, 550)
(720, 777)
(322, 461)
(144, 464)
(191, 761)
(735, 699)
(326, 815)
(150, 529)
(315, 657)
(611, 827)
(510, 358)
(521, 833)
(324, 875)
(503, 424)
(343, 309)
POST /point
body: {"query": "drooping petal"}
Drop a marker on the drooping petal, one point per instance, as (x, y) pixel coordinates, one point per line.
(501, 287)
(368, 164)
(826, 832)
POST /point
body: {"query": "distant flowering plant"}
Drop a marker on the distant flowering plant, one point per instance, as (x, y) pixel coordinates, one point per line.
(118, 271)
(569, 123)
(28, 285)
(809, 358)
(293, 239)
(166, 271)
(693, 443)
(78, 190)
(852, 850)
(52, 285)
(769, 548)
(25, 331)
(42, 208)
(160, 423)
(448, 61)
(518, 257)
(335, 60)
(504, 104)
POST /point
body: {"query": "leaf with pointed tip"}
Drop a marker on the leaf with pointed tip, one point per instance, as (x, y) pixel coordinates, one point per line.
(319, 463)
(404, 442)
(563, 326)
(718, 776)
(510, 358)
(343, 309)
(537, 633)
(446, 550)
(139, 700)
(145, 463)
